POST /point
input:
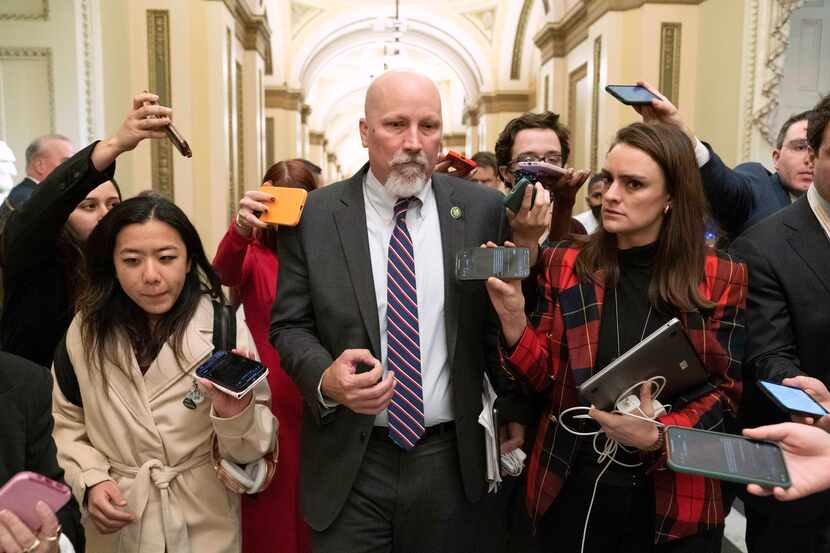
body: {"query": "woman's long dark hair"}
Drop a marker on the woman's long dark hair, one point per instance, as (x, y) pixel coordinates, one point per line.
(71, 255)
(681, 246)
(111, 322)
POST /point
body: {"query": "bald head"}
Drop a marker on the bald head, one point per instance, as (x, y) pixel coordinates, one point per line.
(402, 125)
(47, 152)
(401, 84)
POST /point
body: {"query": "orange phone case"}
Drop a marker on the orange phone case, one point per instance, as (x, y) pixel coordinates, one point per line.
(287, 209)
(459, 161)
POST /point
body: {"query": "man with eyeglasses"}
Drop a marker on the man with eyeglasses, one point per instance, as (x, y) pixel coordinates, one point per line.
(542, 137)
(749, 193)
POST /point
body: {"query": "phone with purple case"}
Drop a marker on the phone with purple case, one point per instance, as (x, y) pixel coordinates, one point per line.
(21, 494)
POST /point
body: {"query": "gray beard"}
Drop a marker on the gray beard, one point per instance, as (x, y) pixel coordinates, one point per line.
(405, 182)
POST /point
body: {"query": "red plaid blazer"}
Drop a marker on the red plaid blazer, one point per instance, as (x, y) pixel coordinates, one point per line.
(558, 354)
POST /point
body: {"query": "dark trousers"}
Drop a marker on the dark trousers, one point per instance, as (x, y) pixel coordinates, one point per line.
(621, 521)
(405, 502)
(801, 526)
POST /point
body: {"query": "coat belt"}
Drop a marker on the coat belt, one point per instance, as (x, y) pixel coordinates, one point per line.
(154, 474)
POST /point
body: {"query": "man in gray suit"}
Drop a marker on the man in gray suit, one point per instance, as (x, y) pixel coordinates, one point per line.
(386, 346)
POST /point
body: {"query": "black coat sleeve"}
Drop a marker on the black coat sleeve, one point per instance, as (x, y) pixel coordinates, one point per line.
(729, 191)
(41, 453)
(31, 232)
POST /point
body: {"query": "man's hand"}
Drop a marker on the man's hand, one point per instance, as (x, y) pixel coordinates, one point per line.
(142, 122)
(565, 187)
(367, 393)
(530, 223)
(816, 389)
(512, 436)
(107, 507)
(16, 536)
(662, 110)
(807, 454)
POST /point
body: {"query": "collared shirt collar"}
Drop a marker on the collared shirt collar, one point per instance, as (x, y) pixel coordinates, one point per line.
(383, 202)
(820, 207)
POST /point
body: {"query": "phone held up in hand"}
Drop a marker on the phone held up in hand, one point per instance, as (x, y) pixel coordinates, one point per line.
(176, 137)
(513, 200)
(483, 263)
(287, 207)
(232, 374)
(21, 494)
(631, 95)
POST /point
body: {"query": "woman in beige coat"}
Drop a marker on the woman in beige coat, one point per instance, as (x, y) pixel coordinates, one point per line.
(132, 424)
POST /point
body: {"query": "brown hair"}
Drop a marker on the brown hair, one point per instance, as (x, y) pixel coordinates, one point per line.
(293, 173)
(681, 248)
(817, 122)
(546, 120)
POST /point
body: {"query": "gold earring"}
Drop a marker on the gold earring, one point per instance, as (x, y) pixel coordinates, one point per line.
(666, 210)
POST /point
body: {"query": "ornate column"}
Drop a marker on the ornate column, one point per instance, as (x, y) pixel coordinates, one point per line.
(470, 119)
(285, 106)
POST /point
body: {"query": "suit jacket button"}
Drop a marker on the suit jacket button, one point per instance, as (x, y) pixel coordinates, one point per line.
(363, 436)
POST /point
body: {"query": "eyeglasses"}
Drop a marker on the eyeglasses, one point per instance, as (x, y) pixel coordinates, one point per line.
(798, 145)
(553, 159)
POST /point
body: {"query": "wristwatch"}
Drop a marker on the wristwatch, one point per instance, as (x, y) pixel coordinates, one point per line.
(657, 445)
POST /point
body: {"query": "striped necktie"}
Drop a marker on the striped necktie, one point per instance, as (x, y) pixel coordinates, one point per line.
(406, 410)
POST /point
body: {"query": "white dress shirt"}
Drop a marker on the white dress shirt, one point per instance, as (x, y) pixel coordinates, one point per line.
(820, 207)
(424, 229)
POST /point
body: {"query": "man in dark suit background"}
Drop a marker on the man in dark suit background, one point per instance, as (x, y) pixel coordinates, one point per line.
(42, 156)
(26, 434)
(788, 320)
(749, 193)
(393, 459)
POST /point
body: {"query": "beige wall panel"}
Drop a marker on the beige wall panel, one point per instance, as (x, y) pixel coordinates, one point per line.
(253, 114)
(490, 125)
(287, 135)
(27, 109)
(718, 86)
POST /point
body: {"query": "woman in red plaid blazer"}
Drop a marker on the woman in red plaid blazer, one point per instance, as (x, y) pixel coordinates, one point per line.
(647, 263)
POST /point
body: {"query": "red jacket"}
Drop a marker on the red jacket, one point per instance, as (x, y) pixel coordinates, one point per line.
(559, 354)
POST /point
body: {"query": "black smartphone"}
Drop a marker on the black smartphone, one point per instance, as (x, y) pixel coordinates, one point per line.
(513, 200)
(232, 374)
(793, 401)
(482, 263)
(725, 457)
(631, 95)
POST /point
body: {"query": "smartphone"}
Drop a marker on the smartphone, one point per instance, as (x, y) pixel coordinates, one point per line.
(288, 207)
(513, 200)
(175, 137)
(631, 95)
(459, 162)
(232, 374)
(482, 263)
(25, 489)
(539, 169)
(726, 457)
(794, 401)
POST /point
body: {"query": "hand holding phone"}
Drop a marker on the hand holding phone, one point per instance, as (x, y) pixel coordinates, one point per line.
(287, 207)
(631, 95)
(513, 200)
(536, 170)
(455, 164)
(725, 457)
(25, 490)
(231, 373)
(499, 262)
(793, 401)
(175, 137)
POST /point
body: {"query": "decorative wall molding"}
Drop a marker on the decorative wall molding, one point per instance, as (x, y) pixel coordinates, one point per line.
(519, 40)
(270, 143)
(484, 20)
(750, 57)
(88, 60)
(284, 98)
(573, 80)
(316, 138)
(470, 117)
(240, 134)
(331, 157)
(252, 29)
(41, 15)
(556, 39)
(18, 54)
(762, 118)
(305, 111)
(505, 102)
(301, 14)
(455, 140)
(231, 197)
(595, 104)
(670, 61)
(158, 66)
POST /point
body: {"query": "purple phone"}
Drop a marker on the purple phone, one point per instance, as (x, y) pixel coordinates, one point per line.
(25, 489)
(539, 169)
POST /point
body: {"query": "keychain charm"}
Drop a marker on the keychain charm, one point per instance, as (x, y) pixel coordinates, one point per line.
(194, 397)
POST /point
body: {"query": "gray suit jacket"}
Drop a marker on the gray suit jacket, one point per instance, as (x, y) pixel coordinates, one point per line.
(326, 304)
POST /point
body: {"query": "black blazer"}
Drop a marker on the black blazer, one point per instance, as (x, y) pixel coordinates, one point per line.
(26, 432)
(788, 309)
(326, 304)
(741, 197)
(37, 310)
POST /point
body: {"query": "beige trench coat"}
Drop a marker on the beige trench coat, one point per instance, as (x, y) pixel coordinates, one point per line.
(137, 432)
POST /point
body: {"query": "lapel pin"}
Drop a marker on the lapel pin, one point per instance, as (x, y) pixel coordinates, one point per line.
(455, 212)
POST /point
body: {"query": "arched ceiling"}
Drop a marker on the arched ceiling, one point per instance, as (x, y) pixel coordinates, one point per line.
(335, 48)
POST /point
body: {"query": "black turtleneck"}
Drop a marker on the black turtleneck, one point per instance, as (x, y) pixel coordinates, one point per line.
(631, 299)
